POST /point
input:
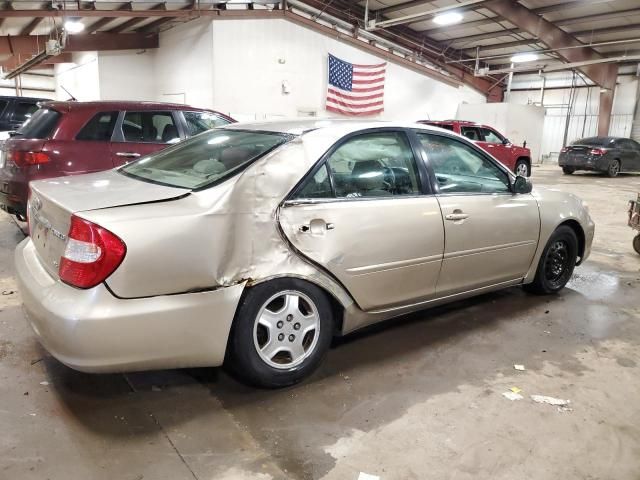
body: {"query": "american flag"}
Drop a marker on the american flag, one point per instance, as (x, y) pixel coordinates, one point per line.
(355, 89)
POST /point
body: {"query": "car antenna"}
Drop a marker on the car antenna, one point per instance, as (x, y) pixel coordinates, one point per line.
(69, 93)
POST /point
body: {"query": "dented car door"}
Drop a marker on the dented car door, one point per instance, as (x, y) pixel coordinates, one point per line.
(363, 214)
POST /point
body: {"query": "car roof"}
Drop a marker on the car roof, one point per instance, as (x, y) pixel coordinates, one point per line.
(461, 122)
(303, 126)
(121, 105)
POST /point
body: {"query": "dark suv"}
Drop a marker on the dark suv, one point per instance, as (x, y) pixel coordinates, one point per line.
(14, 111)
(70, 138)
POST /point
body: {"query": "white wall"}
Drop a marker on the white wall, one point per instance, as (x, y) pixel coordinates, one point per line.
(584, 114)
(248, 72)
(184, 64)
(81, 78)
(127, 75)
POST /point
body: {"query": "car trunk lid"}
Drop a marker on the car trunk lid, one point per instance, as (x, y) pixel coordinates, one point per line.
(53, 201)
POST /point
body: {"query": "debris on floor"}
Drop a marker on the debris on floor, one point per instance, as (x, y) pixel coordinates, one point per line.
(8, 292)
(155, 388)
(515, 389)
(45, 383)
(558, 402)
(512, 395)
(366, 476)
(519, 367)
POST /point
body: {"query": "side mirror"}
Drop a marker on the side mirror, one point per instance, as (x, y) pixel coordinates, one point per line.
(506, 141)
(12, 133)
(521, 185)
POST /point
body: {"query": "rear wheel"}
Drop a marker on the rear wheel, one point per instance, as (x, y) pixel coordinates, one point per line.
(522, 168)
(614, 168)
(636, 244)
(556, 263)
(568, 170)
(281, 332)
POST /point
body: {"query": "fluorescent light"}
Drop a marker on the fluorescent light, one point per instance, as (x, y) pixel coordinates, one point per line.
(73, 26)
(524, 57)
(448, 18)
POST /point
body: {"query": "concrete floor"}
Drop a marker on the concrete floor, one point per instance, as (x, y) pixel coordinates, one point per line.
(417, 398)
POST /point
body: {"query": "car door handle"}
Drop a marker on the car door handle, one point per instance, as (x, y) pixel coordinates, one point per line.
(316, 226)
(128, 154)
(456, 216)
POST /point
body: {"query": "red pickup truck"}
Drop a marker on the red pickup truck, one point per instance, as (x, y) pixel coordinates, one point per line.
(517, 159)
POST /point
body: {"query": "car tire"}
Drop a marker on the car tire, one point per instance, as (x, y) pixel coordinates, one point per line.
(636, 243)
(281, 332)
(522, 166)
(556, 263)
(567, 170)
(614, 168)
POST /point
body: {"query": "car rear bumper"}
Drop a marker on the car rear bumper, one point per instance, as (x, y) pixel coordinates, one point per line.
(585, 163)
(94, 331)
(13, 196)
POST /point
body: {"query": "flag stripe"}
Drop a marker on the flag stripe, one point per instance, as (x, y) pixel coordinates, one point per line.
(368, 81)
(349, 112)
(354, 103)
(368, 74)
(339, 94)
(367, 89)
(379, 65)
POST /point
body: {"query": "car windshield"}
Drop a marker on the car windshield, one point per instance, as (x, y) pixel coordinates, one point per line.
(205, 159)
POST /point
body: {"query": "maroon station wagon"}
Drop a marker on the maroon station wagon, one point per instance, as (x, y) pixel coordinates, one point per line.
(70, 138)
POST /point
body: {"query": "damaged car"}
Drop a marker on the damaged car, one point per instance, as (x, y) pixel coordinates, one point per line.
(253, 245)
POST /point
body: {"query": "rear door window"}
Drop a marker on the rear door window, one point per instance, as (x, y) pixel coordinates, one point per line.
(198, 122)
(150, 127)
(490, 136)
(41, 125)
(472, 133)
(99, 128)
(3, 105)
(23, 111)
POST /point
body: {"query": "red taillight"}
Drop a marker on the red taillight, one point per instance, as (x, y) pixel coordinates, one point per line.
(91, 254)
(597, 151)
(23, 159)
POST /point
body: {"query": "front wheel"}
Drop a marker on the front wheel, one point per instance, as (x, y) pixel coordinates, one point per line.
(281, 332)
(556, 262)
(522, 168)
(636, 244)
(613, 169)
(567, 170)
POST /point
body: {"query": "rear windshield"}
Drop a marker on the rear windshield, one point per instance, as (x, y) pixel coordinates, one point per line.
(205, 159)
(594, 141)
(40, 125)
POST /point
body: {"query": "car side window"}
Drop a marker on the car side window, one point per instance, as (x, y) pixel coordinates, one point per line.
(149, 127)
(198, 122)
(472, 133)
(23, 111)
(459, 168)
(369, 165)
(99, 128)
(490, 136)
(318, 186)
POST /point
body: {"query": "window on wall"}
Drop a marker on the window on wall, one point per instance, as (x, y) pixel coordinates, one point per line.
(369, 165)
(99, 128)
(150, 127)
(461, 169)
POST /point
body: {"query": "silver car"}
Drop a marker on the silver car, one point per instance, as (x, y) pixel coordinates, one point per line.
(255, 244)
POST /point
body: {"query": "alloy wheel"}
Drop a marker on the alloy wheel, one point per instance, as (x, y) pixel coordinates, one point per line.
(614, 168)
(522, 170)
(286, 329)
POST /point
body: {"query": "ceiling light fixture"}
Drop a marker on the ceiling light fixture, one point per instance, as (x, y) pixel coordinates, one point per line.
(524, 57)
(448, 18)
(73, 26)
